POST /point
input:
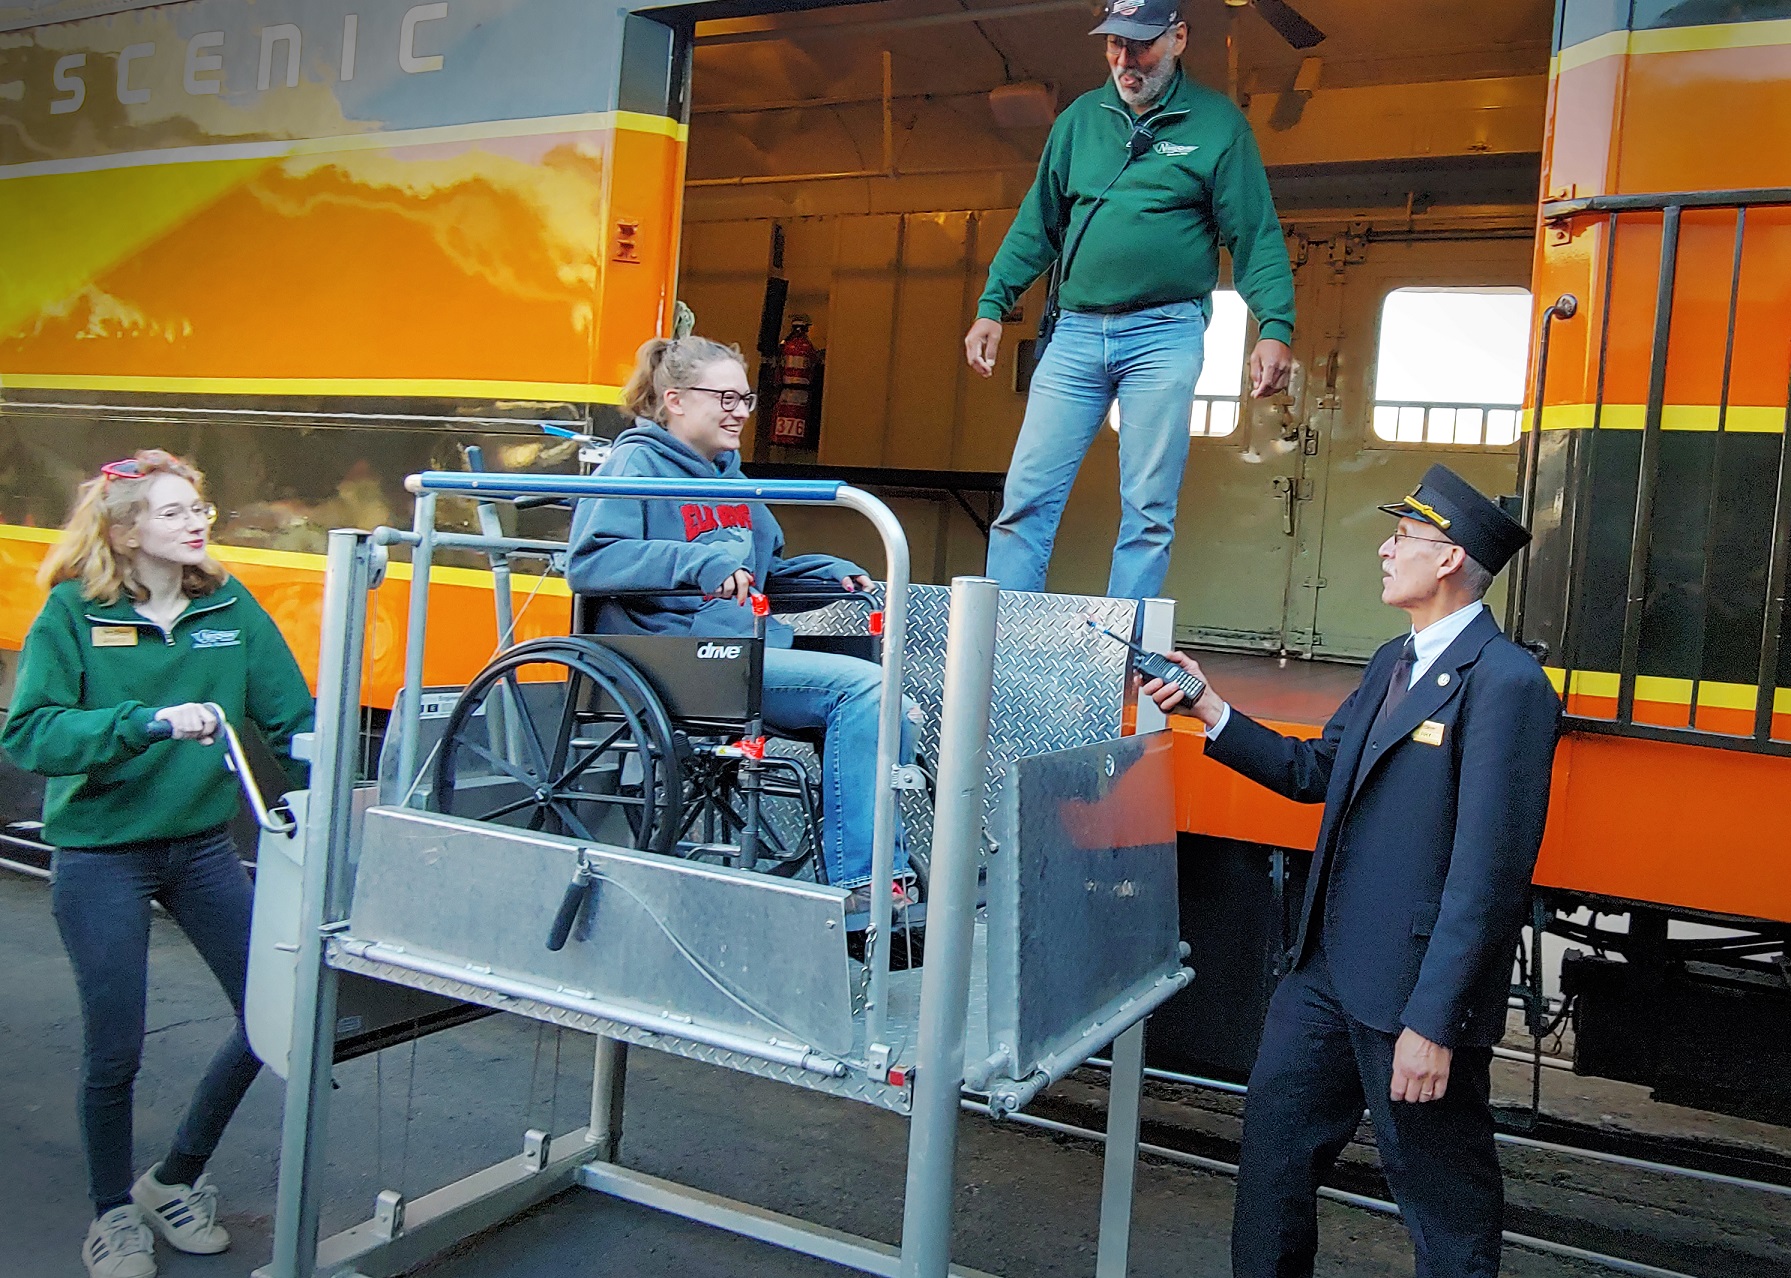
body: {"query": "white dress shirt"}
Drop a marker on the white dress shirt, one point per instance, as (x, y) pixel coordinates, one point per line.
(1428, 644)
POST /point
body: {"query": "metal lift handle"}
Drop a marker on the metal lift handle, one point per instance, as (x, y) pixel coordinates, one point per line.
(238, 762)
(577, 892)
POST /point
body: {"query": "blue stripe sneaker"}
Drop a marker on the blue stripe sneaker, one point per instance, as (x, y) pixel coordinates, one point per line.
(119, 1245)
(185, 1215)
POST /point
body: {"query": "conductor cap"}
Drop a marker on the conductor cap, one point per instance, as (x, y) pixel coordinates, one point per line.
(1453, 506)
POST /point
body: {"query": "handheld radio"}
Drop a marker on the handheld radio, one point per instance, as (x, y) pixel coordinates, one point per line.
(1154, 665)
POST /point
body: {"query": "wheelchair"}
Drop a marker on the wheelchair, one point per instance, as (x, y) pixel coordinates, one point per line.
(650, 742)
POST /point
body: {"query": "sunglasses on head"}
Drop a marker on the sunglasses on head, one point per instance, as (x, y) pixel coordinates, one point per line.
(129, 468)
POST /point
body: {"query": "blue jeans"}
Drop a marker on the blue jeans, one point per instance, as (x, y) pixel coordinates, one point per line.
(1149, 360)
(807, 690)
(101, 903)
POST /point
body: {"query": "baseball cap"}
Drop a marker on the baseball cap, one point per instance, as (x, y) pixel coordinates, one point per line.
(1137, 19)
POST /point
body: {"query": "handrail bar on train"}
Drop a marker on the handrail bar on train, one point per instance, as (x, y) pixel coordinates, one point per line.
(1654, 202)
(430, 485)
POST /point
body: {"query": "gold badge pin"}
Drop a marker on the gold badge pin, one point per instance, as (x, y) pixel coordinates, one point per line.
(114, 636)
(1429, 733)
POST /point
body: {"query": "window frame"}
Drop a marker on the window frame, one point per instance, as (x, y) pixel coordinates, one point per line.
(1372, 438)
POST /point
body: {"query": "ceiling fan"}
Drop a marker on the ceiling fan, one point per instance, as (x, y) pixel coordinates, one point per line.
(1288, 21)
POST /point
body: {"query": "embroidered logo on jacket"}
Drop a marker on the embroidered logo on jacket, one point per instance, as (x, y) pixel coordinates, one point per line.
(1174, 149)
(700, 519)
(217, 638)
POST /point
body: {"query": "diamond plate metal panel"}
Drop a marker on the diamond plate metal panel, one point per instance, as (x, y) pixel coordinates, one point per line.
(1058, 684)
(856, 1085)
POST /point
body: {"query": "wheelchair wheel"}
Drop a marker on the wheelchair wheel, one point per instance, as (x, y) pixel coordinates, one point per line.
(565, 736)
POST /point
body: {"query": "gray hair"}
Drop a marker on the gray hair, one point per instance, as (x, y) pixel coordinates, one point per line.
(664, 363)
(1475, 578)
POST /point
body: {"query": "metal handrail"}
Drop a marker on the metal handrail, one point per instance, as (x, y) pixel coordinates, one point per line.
(431, 485)
(1654, 202)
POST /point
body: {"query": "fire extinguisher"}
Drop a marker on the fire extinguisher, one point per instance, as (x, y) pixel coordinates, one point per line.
(796, 367)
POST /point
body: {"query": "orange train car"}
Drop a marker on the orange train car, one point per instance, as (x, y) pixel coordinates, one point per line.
(318, 246)
(1657, 482)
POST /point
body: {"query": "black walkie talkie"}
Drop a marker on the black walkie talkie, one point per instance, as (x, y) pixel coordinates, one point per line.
(1154, 665)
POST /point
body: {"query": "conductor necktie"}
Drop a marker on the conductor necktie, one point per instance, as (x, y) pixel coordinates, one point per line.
(1399, 683)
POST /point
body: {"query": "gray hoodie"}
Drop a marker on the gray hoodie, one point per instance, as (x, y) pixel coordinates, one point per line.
(621, 544)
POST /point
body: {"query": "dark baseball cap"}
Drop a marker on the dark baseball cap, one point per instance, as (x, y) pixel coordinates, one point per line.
(1137, 19)
(1453, 506)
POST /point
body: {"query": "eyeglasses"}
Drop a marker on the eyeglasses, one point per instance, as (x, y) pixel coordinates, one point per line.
(1434, 541)
(1136, 48)
(731, 400)
(201, 510)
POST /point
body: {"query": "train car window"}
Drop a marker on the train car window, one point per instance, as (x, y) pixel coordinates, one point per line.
(1450, 370)
(1221, 384)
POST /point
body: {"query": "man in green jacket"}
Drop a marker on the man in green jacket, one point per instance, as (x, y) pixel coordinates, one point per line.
(1141, 181)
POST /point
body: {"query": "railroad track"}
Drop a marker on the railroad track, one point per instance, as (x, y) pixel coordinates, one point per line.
(1622, 1201)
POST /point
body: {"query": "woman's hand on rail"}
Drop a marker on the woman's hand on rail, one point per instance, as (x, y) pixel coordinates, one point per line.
(191, 722)
(737, 587)
(860, 582)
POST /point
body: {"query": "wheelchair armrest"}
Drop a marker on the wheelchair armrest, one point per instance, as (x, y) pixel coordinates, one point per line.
(864, 647)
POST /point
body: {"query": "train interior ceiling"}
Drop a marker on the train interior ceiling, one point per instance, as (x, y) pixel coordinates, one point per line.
(871, 157)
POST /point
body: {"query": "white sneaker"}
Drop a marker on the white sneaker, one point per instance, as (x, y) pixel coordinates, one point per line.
(185, 1215)
(119, 1245)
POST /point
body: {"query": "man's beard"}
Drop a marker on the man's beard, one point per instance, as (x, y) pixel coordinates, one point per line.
(1151, 91)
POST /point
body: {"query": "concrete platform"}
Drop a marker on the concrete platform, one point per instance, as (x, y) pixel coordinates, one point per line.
(1030, 1201)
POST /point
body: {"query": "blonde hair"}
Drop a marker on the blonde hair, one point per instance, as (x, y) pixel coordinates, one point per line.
(110, 502)
(667, 362)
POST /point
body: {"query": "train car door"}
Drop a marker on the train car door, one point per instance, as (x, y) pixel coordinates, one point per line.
(1415, 351)
(1237, 522)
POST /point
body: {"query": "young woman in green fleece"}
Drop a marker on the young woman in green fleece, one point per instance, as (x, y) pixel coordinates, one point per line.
(141, 633)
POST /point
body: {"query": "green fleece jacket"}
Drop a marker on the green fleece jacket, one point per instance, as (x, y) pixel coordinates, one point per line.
(1155, 238)
(91, 679)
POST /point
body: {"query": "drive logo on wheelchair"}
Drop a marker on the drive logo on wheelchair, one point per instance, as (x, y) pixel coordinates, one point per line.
(719, 651)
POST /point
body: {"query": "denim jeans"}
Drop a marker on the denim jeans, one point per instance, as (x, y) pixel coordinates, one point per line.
(1149, 360)
(805, 690)
(101, 903)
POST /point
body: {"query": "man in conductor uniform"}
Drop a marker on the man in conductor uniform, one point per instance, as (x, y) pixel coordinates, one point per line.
(1435, 779)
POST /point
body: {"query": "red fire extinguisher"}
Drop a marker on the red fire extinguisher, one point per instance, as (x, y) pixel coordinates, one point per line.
(797, 359)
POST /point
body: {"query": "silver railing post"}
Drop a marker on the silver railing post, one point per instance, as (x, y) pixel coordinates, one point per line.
(951, 927)
(609, 1083)
(889, 744)
(411, 696)
(1119, 1156)
(328, 829)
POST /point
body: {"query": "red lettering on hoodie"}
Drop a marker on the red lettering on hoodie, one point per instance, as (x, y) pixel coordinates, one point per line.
(700, 519)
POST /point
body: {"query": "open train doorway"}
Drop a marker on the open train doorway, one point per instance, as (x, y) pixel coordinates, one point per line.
(856, 166)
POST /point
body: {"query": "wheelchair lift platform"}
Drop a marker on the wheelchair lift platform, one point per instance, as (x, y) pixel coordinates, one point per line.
(1052, 930)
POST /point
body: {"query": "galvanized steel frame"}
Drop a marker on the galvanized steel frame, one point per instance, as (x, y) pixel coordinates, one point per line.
(388, 1243)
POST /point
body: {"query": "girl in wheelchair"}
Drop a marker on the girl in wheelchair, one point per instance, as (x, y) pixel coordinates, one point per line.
(690, 397)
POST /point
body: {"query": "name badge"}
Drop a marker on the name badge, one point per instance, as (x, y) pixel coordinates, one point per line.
(1430, 733)
(114, 636)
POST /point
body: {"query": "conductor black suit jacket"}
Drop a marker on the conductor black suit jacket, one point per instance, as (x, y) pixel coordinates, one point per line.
(1431, 828)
